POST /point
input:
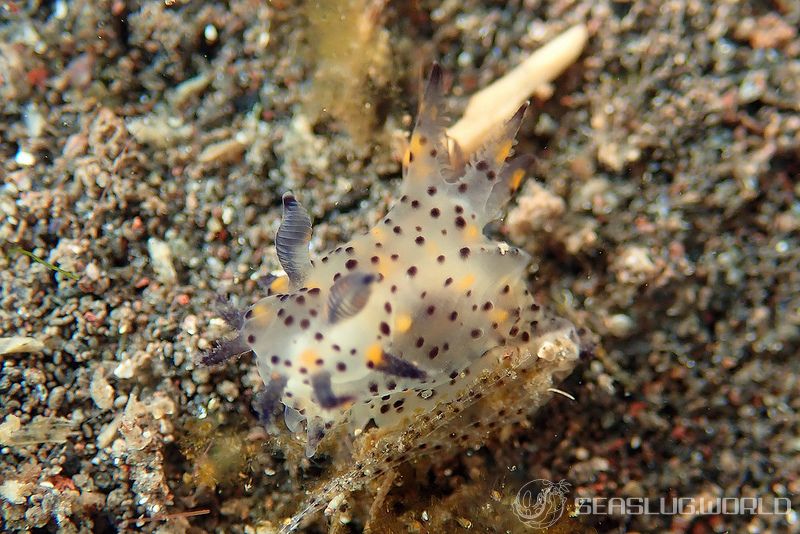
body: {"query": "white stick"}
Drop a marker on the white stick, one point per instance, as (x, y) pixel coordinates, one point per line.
(489, 108)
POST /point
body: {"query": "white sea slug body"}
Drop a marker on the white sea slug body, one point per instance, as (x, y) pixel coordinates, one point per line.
(405, 317)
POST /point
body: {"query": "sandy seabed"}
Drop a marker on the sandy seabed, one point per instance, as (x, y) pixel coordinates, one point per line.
(145, 146)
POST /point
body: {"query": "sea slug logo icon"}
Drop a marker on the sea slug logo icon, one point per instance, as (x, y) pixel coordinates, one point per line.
(540, 503)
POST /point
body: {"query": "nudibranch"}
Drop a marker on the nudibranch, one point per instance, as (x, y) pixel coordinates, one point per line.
(412, 316)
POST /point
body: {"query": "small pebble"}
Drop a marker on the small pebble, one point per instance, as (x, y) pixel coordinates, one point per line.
(100, 390)
(620, 325)
(20, 344)
(161, 258)
(25, 159)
